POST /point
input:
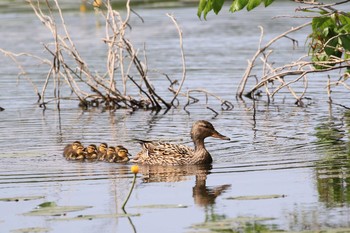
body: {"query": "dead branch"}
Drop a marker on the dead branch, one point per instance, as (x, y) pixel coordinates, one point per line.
(260, 50)
(182, 56)
(68, 68)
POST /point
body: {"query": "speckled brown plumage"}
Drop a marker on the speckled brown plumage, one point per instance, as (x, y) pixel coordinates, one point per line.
(161, 153)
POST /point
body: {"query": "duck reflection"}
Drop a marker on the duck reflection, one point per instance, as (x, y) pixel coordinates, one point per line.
(202, 194)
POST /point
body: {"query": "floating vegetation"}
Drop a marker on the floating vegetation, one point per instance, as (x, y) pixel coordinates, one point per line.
(24, 198)
(256, 197)
(31, 230)
(162, 206)
(95, 216)
(52, 209)
(239, 224)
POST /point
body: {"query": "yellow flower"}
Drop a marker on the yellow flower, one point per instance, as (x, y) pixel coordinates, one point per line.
(134, 169)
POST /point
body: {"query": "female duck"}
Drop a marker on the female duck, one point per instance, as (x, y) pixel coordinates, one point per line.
(160, 153)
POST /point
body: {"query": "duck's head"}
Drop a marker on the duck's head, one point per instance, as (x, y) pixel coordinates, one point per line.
(102, 147)
(122, 151)
(80, 149)
(91, 148)
(203, 129)
(111, 150)
(76, 144)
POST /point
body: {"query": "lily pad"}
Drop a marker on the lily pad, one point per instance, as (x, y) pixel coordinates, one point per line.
(257, 197)
(95, 216)
(229, 224)
(52, 209)
(16, 199)
(47, 204)
(161, 206)
(31, 230)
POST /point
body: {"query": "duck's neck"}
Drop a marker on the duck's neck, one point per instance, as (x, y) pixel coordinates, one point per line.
(201, 155)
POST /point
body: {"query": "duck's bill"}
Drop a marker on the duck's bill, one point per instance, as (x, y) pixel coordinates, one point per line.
(220, 136)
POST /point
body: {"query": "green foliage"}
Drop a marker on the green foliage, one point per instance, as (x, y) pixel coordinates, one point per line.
(330, 39)
(205, 6)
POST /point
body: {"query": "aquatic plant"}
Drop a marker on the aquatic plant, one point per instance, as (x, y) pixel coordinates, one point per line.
(134, 169)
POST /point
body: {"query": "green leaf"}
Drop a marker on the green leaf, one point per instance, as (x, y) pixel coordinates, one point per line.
(346, 57)
(319, 60)
(345, 42)
(207, 8)
(238, 5)
(201, 7)
(48, 204)
(217, 5)
(345, 20)
(268, 2)
(320, 23)
(252, 4)
(331, 48)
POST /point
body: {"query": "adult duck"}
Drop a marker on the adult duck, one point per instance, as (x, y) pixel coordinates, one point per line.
(161, 153)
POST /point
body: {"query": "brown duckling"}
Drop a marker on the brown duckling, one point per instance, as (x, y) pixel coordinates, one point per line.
(111, 154)
(78, 154)
(91, 152)
(102, 151)
(70, 148)
(122, 154)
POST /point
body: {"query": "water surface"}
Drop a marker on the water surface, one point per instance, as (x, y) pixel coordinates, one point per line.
(298, 155)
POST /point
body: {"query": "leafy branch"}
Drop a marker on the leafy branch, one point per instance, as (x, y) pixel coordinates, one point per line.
(329, 48)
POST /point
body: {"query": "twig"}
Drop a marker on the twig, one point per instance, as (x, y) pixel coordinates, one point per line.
(258, 52)
(182, 56)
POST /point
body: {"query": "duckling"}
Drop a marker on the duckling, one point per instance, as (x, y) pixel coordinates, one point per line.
(122, 154)
(102, 151)
(111, 154)
(70, 148)
(91, 152)
(78, 154)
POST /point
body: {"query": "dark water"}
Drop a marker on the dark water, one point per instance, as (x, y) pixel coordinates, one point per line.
(298, 154)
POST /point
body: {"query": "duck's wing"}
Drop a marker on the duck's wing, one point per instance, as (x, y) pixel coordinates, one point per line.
(163, 153)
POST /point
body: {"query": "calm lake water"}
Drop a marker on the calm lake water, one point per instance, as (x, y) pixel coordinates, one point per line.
(285, 168)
